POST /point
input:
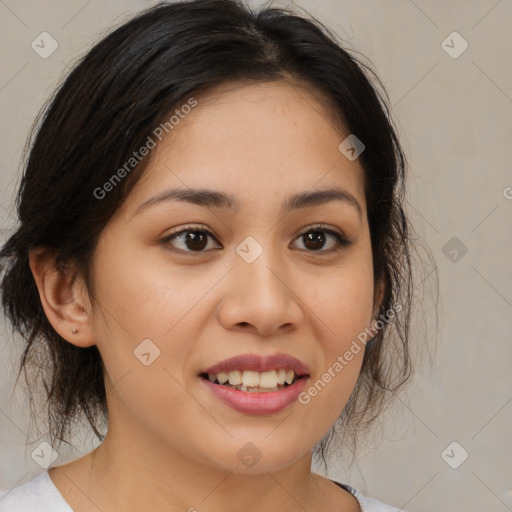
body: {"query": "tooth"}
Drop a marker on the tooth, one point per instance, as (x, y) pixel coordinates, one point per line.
(222, 377)
(211, 377)
(235, 377)
(268, 379)
(250, 378)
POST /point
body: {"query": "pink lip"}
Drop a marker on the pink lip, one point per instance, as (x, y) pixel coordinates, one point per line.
(255, 402)
(256, 363)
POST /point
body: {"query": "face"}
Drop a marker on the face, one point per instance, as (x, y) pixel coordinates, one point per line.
(182, 285)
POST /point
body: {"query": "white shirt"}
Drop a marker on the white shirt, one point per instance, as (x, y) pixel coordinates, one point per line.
(41, 495)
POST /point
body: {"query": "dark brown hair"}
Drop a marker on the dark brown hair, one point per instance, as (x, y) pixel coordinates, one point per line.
(105, 110)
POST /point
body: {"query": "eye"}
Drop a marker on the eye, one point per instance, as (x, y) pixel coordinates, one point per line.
(315, 238)
(195, 239)
(191, 239)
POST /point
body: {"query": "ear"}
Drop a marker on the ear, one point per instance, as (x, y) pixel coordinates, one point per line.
(68, 310)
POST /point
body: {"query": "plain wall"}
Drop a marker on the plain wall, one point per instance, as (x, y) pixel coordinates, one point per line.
(455, 120)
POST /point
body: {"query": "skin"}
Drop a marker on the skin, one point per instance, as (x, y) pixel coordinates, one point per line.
(171, 444)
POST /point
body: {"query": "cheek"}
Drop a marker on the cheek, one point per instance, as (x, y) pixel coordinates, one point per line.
(147, 294)
(343, 304)
(343, 300)
(145, 326)
(139, 298)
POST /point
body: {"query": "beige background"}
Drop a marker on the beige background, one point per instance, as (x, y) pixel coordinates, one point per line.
(455, 117)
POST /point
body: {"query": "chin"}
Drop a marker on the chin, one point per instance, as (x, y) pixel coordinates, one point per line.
(258, 456)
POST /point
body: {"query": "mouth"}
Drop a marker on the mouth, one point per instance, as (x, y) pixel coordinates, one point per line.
(253, 381)
(255, 373)
(256, 385)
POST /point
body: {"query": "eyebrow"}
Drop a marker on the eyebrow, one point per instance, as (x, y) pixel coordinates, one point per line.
(212, 198)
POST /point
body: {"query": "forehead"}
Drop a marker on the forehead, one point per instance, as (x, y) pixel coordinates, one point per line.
(254, 140)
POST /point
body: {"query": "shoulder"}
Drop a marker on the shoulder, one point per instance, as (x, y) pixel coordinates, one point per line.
(368, 504)
(39, 494)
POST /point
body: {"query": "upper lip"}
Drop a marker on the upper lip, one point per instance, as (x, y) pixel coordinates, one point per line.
(256, 363)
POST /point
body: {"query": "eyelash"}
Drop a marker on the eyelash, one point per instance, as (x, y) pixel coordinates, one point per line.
(341, 240)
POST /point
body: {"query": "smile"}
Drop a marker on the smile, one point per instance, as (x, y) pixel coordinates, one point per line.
(252, 381)
(254, 384)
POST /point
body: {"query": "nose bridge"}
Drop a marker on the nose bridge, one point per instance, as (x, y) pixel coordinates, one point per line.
(261, 296)
(259, 265)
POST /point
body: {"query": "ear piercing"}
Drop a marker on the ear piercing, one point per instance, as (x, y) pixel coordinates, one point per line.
(74, 331)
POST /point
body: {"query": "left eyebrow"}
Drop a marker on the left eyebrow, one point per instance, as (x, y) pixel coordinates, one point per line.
(212, 198)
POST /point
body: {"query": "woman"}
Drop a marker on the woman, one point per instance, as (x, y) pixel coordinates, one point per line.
(220, 265)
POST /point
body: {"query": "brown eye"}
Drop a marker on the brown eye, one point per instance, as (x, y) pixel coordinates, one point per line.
(315, 239)
(195, 240)
(189, 240)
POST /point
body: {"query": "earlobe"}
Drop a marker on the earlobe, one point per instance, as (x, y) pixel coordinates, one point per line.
(65, 311)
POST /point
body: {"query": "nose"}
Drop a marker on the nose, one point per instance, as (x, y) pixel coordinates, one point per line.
(260, 297)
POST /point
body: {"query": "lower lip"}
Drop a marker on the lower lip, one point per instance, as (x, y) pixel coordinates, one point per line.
(257, 402)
